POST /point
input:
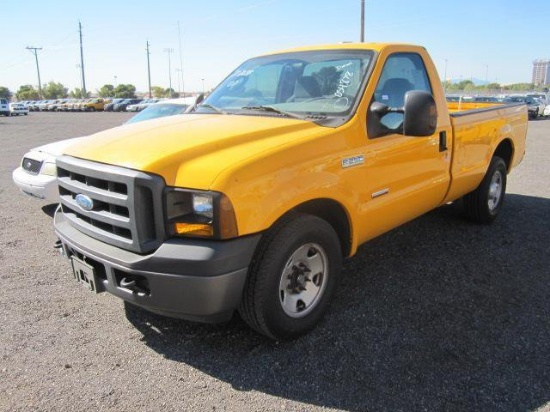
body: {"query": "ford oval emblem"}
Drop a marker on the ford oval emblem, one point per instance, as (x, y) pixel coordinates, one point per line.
(85, 202)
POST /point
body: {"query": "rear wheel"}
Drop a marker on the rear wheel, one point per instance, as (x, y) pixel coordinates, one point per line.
(292, 278)
(483, 204)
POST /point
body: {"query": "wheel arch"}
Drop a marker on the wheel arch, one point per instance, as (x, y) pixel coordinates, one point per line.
(505, 150)
(335, 214)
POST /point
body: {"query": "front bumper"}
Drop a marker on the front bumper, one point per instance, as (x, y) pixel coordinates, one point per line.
(199, 280)
(40, 185)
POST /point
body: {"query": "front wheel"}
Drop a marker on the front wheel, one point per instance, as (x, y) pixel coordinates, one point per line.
(292, 277)
(483, 204)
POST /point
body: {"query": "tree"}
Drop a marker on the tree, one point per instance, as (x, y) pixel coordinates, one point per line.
(107, 90)
(5, 93)
(158, 91)
(79, 94)
(127, 91)
(27, 92)
(464, 83)
(54, 91)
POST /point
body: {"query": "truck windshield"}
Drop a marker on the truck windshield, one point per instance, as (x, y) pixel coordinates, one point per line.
(313, 84)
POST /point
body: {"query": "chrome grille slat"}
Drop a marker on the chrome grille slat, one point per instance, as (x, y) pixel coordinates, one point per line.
(99, 194)
(127, 208)
(92, 230)
(102, 216)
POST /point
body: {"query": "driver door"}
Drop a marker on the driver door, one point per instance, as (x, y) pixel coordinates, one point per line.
(406, 175)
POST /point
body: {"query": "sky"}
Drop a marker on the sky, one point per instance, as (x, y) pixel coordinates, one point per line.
(195, 44)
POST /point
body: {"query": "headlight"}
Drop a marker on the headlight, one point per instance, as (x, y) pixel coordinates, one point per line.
(203, 214)
(49, 169)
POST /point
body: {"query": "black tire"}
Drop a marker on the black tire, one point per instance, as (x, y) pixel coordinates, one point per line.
(283, 298)
(483, 204)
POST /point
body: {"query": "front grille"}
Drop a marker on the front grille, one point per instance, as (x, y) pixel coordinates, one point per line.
(126, 209)
(32, 166)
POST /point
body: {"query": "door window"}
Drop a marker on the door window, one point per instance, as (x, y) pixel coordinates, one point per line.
(402, 72)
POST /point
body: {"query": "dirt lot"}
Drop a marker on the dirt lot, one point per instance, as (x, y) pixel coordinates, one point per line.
(439, 314)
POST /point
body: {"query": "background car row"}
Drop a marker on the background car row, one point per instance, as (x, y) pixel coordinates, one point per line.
(538, 104)
(88, 105)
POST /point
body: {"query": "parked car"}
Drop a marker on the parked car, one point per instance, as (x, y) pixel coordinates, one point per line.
(254, 200)
(542, 105)
(4, 107)
(36, 176)
(164, 108)
(142, 105)
(64, 107)
(42, 106)
(18, 108)
(121, 107)
(485, 99)
(532, 104)
(109, 106)
(54, 107)
(93, 105)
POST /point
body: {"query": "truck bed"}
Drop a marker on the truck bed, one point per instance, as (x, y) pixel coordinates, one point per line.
(477, 129)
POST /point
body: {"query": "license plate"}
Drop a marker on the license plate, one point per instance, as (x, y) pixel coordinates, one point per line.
(85, 274)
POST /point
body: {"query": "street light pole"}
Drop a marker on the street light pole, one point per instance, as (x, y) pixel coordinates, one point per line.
(148, 70)
(34, 50)
(84, 93)
(169, 51)
(362, 21)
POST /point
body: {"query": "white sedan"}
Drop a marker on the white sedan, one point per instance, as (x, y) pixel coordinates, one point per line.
(37, 174)
(17, 109)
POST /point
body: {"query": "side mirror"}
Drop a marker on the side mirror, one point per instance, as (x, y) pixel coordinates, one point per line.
(375, 114)
(193, 106)
(420, 117)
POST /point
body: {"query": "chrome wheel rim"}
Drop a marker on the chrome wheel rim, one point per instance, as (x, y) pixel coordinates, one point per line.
(303, 280)
(495, 191)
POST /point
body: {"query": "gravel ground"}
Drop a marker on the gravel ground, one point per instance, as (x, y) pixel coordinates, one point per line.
(439, 314)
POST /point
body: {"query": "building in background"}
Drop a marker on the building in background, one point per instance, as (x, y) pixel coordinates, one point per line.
(541, 72)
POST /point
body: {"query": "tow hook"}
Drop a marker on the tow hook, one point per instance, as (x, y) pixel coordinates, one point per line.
(130, 284)
(59, 245)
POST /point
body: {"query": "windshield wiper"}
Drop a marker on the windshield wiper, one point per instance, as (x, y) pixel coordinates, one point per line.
(274, 110)
(216, 109)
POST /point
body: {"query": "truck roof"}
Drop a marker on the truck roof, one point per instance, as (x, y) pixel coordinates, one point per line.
(346, 46)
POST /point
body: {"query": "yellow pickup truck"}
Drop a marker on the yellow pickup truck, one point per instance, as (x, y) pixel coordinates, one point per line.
(251, 200)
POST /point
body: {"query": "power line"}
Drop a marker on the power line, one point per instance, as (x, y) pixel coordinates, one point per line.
(34, 50)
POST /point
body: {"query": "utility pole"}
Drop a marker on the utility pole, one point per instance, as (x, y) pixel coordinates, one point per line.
(84, 94)
(148, 70)
(362, 21)
(34, 50)
(181, 63)
(169, 51)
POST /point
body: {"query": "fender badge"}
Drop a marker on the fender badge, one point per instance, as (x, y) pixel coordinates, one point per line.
(353, 161)
(85, 202)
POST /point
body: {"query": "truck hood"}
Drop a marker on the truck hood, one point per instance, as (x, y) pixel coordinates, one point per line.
(191, 150)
